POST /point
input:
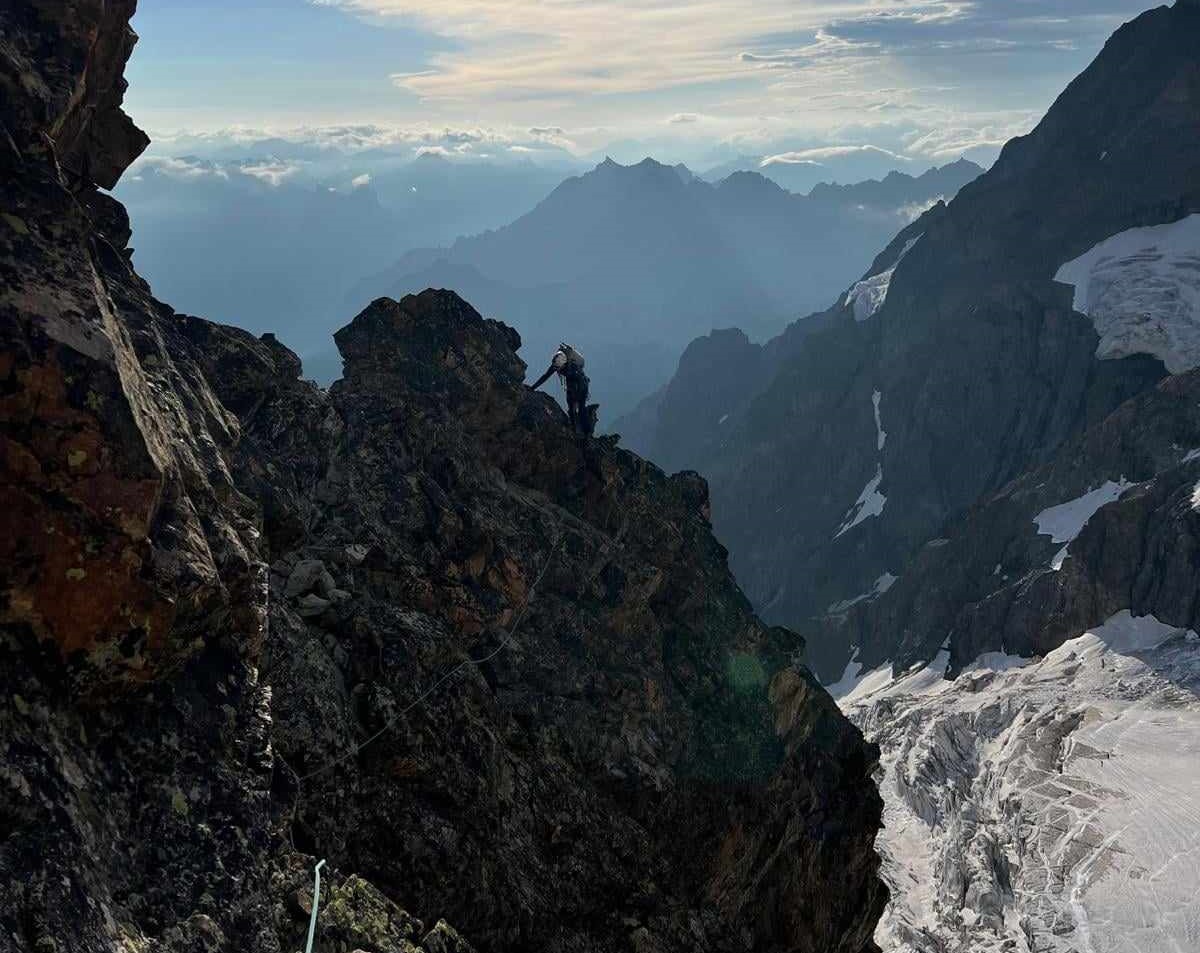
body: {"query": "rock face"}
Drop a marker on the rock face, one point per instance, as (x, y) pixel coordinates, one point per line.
(959, 363)
(1109, 524)
(410, 625)
(635, 745)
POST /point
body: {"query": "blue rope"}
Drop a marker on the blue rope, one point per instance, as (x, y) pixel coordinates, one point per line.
(312, 923)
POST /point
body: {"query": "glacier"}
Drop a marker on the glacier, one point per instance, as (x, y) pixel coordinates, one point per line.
(1047, 805)
(868, 296)
(1141, 290)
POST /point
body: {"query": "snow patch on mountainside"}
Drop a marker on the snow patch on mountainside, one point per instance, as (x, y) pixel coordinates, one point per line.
(1141, 288)
(1062, 523)
(870, 503)
(882, 585)
(868, 296)
(880, 433)
(1048, 805)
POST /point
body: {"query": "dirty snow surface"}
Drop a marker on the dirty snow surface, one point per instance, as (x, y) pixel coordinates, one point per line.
(1043, 806)
(1141, 288)
(868, 296)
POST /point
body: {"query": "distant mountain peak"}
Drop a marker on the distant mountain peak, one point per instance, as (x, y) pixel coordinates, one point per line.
(748, 182)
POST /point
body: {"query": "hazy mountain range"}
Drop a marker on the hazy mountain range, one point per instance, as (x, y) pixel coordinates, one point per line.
(631, 262)
(271, 234)
(279, 232)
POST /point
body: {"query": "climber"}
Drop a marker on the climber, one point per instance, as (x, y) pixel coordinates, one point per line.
(567, 363)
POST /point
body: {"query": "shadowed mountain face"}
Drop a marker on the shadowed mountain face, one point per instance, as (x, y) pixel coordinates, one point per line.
(958, 362)
(411, 625)
(631, 262)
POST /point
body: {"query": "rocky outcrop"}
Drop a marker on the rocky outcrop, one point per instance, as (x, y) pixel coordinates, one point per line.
(631, 761)
(410, 625)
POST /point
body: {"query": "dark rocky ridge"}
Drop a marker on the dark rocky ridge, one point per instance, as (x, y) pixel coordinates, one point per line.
(217, 580)
(984, 372)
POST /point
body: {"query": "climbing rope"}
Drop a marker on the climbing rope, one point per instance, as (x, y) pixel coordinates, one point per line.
(316, 902)
(504, 643)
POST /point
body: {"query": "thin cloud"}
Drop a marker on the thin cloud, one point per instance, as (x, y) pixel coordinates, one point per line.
(825, 153)
(776, 72)
(184, 169)
(272, 172)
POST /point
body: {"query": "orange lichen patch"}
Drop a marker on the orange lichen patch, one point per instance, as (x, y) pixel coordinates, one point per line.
(405, 769)
(78, 494)
(108, 475)
(71, 587)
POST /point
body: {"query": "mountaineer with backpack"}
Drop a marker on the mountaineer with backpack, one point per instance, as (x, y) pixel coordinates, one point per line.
(567, 363)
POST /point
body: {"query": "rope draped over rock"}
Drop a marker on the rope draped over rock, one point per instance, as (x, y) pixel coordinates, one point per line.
(504, 643)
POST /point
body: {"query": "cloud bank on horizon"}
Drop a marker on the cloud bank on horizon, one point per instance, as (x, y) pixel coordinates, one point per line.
(686, 80)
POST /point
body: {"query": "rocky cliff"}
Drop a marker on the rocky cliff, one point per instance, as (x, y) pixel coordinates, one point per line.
(410, 625)
(987, 336)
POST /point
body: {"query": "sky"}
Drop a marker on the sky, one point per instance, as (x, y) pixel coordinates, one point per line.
(699, 81)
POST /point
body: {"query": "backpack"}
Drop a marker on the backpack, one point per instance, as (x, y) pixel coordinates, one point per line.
(573, 356)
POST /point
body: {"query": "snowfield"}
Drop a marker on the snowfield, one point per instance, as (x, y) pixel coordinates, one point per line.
(880, 433)
(1062, 523)
(868, 296)
(882, 585)
(870, 503)
(1042, 806)
(1141, 288)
